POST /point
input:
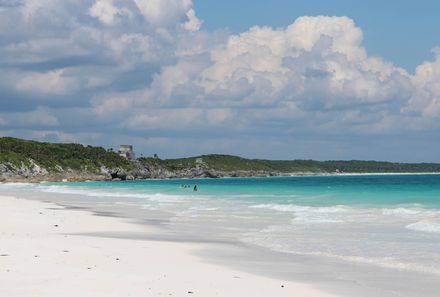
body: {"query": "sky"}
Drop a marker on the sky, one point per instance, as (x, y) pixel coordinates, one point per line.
(400, 31)
(276, 79)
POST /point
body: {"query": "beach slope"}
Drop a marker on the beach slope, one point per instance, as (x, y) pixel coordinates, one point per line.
(45, 251)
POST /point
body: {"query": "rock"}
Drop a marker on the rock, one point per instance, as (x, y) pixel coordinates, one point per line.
(35, 169)
(3, 168)
(118, 173)
(210, 174)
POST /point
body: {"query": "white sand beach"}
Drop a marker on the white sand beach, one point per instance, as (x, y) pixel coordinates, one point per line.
(43, 253)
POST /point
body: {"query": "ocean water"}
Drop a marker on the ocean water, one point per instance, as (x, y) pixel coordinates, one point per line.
(390, 221)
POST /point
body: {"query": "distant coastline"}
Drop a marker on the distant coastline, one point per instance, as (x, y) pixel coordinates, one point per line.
(386, 173)
(31, 161)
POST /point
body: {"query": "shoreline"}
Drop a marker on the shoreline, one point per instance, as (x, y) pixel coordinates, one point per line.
(58, 254)
(43, 179)
(225, 251)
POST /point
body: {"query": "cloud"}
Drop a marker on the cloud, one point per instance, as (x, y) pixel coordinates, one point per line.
(10, 3)
(40, 117)
(193, 23)
(52, 82)
(165, 13)
(106, 12)
(107, 70)
(316, 63)
(426, 98)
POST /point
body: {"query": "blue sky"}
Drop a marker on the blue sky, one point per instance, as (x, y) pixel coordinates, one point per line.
(401, 31)
(267, 79)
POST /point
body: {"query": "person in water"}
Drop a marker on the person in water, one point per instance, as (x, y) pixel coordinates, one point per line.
(195, 188)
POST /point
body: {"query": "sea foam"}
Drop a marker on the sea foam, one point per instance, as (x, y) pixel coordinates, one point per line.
(425, 226)
(158, 197)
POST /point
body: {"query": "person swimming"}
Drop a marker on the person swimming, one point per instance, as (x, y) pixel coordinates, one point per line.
(195, 188)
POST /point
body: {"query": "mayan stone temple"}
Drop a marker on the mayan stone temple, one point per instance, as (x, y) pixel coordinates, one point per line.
(127, 151)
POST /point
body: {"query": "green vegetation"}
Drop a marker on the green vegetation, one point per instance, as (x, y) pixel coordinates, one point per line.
(52, 155)
(88, 158)
(233, 163)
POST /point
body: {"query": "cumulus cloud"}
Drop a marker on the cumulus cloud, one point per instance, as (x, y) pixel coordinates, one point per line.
(52, 82)
(169, 12)
(106, 12)
(426, 98)
(137, 68)
(193, 23)
(316, 63)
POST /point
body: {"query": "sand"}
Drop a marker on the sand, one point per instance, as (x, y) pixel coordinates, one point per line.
(44, 252)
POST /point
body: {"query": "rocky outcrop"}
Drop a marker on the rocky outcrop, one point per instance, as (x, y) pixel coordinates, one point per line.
(114, 173)
(32, 172)
(25, 170)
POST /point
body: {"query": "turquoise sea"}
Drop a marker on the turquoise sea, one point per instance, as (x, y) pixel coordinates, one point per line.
(389, 221)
